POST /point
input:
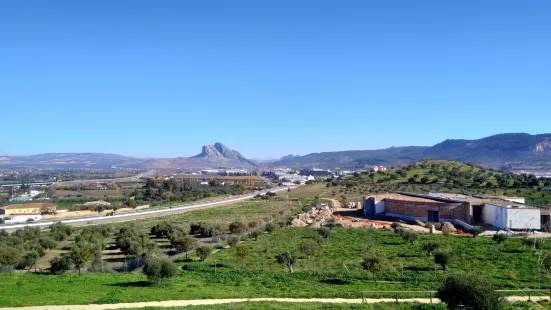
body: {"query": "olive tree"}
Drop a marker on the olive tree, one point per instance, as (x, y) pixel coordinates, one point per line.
(467, 291)
(158, 268)
(288, 259)
(443, 258)
(374, 263)
(429, 246)
(203, 252)
(9, 257)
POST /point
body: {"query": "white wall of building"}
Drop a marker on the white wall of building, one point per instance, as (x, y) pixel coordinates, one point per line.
(523, 218)
(17, 219)
(494, 215)
(511, 218)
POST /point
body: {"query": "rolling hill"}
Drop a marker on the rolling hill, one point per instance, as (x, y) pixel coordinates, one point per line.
(509, 151)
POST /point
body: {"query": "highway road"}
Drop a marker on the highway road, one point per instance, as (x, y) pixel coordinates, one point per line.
(131, 215)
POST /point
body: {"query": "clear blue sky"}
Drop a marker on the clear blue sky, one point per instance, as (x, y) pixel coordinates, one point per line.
(268, 78)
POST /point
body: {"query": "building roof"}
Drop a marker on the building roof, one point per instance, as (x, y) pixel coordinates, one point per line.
(380, 197)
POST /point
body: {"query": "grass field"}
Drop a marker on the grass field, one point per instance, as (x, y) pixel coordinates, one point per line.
(333, 272)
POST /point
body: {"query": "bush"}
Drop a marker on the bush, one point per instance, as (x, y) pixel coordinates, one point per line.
(270, 228)
(159, 268)
(500, 238)
(331, 223)
(204, 252)
(443, 258)
(475, 231)
(254, 235)
(233, 241)
(395, 226)
(308, 249)
(429, 246)
(61, 264)
(47, 243)
(534, 243)
(465, 291)
(237, 228)
(324, 232)
(410, 236)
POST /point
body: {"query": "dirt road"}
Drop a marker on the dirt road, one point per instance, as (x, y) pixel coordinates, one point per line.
(182, 303)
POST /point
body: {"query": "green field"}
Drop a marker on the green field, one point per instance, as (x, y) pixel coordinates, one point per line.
(334, 271)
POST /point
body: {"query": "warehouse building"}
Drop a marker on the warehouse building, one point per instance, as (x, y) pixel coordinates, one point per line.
(463, 210)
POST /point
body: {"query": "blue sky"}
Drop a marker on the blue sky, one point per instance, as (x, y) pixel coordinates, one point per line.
(268, 78)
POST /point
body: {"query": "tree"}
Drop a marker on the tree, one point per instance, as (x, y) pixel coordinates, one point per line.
(81, 253)
(233, 241)
(308, 249)
(475, 231)
(61, 264)
(237, 228)
(183, 243)
(429, 246)
(500, 238)
(324, 232)
(270, 228)
(467, 291)
(47, 243)
(241, 253)
(158, 268)
(374, 263)
(203, 252)
(9, 257)
(132, 202)
(443, 258)
(29, 260)
(410, 236)
(288, 259)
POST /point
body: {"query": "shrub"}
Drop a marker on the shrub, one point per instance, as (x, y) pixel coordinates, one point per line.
(237, 228)
(395, 226)
(410, 236)
(500, 238)
(240, 253)
(233, 241)
(254, 235)
(534, 243)
(319, 239)
(324, 232)
(159, 268)
(47, 243)
(204, 252)
(331, 223)
(308, 249)
(270, 228)
(429, 246)
(443, 258)
(466, 291)
(475, 231)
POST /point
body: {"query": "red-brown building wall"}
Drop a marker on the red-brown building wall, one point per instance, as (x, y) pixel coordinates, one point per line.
(460, 211)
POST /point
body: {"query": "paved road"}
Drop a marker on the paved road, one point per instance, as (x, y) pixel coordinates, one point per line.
(131, 215)
(182, 303)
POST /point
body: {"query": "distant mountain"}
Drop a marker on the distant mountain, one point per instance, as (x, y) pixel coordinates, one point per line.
(68, 160)
(389, 157)
(211, 156)
(511, 150)
(508, 151)
(287, 157)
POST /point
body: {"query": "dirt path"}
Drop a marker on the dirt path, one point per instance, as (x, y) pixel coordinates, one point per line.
(182, 303)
